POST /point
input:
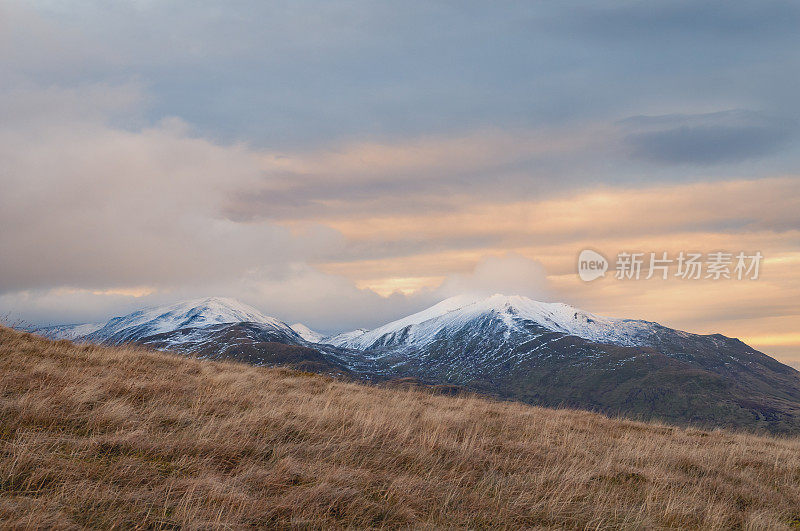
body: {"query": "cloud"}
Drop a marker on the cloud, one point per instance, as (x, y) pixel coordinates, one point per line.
(91, 205)
(414, 174)
(732, 206)
(306, 157)
(510, 274)
(284, 75)
(27, 106)
(714, 138)
(692, 20)
(330, 303)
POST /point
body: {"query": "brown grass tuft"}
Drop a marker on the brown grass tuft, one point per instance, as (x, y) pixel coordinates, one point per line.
(102, 437)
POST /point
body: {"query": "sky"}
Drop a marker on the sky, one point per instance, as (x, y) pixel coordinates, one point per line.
(346, 163)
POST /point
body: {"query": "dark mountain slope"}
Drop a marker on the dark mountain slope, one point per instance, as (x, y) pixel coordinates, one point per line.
(507, 347)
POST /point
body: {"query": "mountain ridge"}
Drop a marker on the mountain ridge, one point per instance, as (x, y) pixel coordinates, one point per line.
(509, 347)
(558, 317)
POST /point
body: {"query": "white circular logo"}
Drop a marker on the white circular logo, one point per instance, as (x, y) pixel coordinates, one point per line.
(591, 265)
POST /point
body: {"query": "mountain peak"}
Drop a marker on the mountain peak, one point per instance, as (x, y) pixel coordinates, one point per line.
(512, 311)
(477, 304)
(306, 333)
(218, 303)
(193, 313)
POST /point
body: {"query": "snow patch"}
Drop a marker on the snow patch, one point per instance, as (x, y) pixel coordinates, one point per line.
(306, 333)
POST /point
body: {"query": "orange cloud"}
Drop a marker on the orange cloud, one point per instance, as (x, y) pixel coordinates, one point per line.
(743, 215)
(749, 204)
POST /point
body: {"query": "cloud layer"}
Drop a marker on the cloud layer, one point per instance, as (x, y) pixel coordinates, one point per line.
(345, 164)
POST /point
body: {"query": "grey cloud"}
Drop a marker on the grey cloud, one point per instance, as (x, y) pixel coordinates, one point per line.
(290, 74)
(705, 139)
(706, 144)
(771, 19)
(86, 204)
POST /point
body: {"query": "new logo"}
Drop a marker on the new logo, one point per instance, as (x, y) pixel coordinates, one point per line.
(591, 265)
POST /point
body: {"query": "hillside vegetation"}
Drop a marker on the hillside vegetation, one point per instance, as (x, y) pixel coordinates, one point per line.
(104, 437)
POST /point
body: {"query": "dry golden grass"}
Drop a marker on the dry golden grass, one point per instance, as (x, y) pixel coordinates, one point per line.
(106, 438)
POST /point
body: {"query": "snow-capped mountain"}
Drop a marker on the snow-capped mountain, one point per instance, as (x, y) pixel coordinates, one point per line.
(70, 331)
(215, 327)
(511, 347)
(308, 334)
(193, 314)
(555, 354)
(515, 312)
(345, 339)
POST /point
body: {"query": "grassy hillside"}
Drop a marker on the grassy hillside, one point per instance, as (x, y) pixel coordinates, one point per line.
(92, 436)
